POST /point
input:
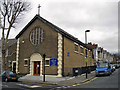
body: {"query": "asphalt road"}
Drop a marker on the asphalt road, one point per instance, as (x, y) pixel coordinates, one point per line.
(22, 86)
(99, 82)
(103, 81)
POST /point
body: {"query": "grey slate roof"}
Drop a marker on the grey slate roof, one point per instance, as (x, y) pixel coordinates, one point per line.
(9, 42)
(64, 33)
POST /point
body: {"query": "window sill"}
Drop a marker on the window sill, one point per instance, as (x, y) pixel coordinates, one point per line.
(76, 52)
(47, 65)
(25, 65)
(81, 53)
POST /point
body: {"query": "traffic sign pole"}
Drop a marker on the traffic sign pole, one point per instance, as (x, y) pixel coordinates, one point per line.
(44, 67)
(86, 69)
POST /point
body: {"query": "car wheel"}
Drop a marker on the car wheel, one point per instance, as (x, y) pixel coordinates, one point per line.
(6, 80)
(16, 80)
(109, 74)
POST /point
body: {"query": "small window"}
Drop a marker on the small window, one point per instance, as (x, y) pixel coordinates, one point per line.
(76, 48)
(10, 63)
(25, 62)
(90, 54)
(86, 52)
(47, 62)
(81, 50)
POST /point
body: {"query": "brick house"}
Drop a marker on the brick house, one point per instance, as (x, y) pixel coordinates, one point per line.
(40, 36)
(10, 53)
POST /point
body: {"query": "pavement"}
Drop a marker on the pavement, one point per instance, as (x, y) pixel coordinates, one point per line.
(61, 81)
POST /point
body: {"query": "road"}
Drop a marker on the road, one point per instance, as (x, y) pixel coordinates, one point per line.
(103, 81)
(22, 86)
(99, 82)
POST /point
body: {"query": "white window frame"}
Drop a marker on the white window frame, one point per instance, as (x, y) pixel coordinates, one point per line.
(39, 32)
(80, 50)
(27, 62)
(90, 53)
(74, 47)
(87, 52)
(46, 60)
(10, 63)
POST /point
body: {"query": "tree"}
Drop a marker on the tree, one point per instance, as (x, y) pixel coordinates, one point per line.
(10, 12)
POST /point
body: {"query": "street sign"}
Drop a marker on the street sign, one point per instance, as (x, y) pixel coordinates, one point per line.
(68, 54)
(53, 62)
(86, 59)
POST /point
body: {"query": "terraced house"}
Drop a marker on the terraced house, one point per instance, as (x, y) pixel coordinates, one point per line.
(40, 36)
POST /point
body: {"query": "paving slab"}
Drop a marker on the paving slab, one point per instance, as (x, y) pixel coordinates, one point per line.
(65, 81)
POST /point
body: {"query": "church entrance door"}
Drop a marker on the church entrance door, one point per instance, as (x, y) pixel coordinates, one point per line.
(37, 68)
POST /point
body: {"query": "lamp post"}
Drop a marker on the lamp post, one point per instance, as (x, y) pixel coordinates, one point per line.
(86, 51)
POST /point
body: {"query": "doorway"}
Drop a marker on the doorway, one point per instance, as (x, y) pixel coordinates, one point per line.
(36, 68)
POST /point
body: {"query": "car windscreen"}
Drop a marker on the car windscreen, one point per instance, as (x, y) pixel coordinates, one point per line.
(3, 73)
(9, 72)
(102, 65)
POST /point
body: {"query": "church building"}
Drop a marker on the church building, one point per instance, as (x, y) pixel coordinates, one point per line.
(63, 51)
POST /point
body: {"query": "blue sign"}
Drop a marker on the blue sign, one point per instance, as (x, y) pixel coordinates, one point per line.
(53, 62)
(68, 54)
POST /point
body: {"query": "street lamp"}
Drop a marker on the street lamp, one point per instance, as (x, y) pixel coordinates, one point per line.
(86, 36)
(86, 51)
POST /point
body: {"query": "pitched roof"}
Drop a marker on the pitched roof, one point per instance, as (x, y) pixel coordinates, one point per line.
(64, 33)
(9, 42)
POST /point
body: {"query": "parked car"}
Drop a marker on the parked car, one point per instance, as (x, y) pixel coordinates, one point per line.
(9, 76)
(112, 68)
(116, 66)
(103, 68)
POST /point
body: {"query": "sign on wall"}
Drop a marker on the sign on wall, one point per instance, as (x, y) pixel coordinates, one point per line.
(68, 54)
(53, 62)
(86, 59)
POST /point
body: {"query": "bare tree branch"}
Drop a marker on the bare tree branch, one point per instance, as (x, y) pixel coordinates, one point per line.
(10, 10)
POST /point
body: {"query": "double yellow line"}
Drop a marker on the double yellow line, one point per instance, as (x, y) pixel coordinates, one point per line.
(63, 85)
(85, 82)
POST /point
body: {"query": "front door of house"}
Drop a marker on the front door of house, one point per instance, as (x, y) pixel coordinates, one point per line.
(37, 68)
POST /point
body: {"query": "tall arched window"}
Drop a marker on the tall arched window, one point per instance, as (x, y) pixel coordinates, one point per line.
(37, 36)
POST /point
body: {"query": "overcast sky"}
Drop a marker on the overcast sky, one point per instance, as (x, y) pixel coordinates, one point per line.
(76, 16)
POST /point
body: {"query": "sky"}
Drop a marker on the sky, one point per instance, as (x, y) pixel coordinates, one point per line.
(76, 16)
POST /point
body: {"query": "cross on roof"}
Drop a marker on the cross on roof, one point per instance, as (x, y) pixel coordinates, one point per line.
(39, 9)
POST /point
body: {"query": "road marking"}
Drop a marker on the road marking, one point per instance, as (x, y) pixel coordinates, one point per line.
(58, 87)
(64, 86)
(90, 80)
(85, 82)
(33, 86)
(70, 78)
(4, 86)
(23, 85)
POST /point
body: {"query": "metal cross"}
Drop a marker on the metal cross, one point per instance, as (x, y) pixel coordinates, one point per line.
(39, 9)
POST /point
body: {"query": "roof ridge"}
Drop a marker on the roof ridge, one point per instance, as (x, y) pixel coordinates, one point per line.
(66, 34)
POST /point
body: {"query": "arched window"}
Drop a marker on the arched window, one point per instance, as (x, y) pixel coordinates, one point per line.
(37, 36)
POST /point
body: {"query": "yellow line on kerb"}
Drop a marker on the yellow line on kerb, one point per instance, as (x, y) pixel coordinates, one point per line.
(85, 82)
(63, 85)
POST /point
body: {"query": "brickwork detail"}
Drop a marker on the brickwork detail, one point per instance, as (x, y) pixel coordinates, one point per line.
(17, 54)
(59, 55)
